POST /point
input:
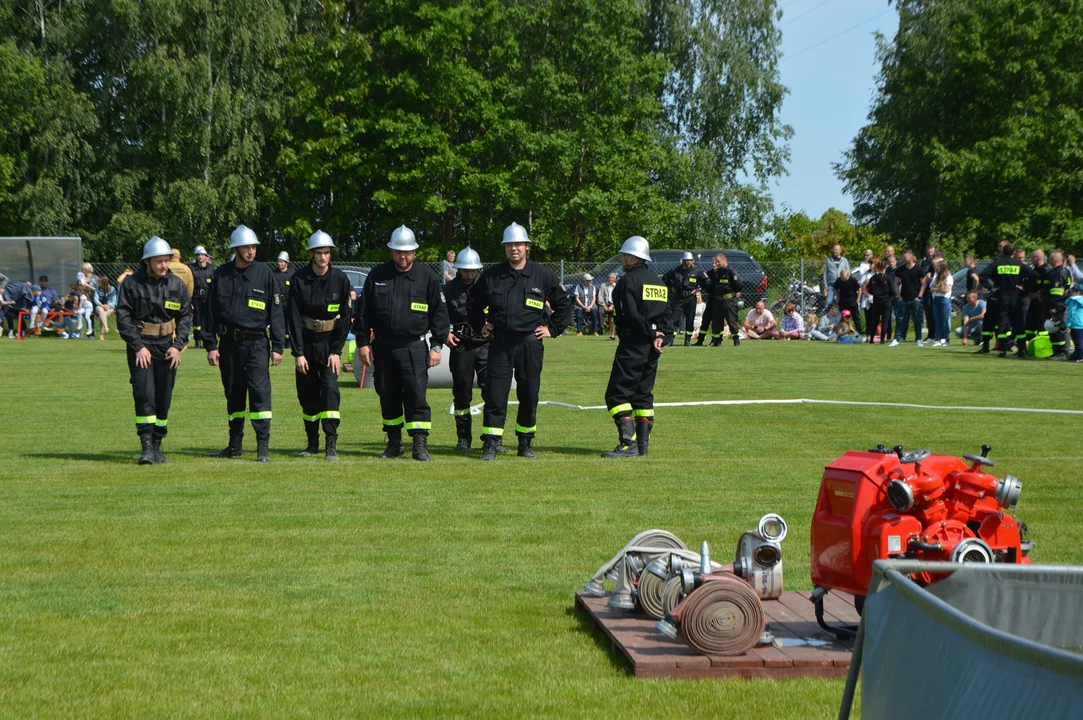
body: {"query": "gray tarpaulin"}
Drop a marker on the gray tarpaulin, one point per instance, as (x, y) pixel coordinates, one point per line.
(990, 641)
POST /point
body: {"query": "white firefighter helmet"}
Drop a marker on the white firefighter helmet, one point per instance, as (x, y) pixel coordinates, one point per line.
(284, 256)
(156, 247)
(403, 239)
(320, 239)
(200, 250)
(515, 233)
(637, 247)
(468, 259)
(687, 256)
(1052, 325)
(242, 236)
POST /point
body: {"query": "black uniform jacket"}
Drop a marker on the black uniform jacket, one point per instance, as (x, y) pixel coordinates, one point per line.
(142, 299)
(723, 281)
(202, 278)
(456, 293)
(1005, 275)
(401, 305)
(320, 297)
(641, 307)
(681, 283)
(516, 300)
(282, 282)
(1057, 281)
(244, 300)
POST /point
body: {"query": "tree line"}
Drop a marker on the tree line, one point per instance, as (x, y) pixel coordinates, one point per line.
(585, 120)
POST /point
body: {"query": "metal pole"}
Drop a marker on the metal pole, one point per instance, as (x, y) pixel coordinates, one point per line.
(562, 271)
(803, 314)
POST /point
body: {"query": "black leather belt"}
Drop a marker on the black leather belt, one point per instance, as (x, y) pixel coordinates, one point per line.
(238, 334)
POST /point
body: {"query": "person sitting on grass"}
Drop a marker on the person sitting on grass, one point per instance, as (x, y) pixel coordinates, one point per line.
(973, 315)
(828, 328)
(759, 323)
(792, 327)
(848, 334)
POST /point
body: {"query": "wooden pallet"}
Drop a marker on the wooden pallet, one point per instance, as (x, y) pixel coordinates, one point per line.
(653, 655)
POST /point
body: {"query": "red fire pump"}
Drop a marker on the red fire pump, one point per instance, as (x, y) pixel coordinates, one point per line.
(890, 504)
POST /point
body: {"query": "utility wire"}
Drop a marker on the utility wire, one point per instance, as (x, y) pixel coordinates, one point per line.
(792, 2)
(837, 35)
(794, 19)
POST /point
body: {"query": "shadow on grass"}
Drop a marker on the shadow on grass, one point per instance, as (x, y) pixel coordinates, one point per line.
(564, 450)
(617, 660)
(122, 457)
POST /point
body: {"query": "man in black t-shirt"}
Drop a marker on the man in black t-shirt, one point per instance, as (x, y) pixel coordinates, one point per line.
(846, 292)
(909, 288)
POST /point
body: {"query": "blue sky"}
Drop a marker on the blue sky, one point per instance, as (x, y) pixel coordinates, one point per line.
(831, 87)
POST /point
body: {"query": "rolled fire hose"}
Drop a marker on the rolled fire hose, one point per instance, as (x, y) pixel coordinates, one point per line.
(723, 617)
(650, 595)
(671, 595)
(647, 540)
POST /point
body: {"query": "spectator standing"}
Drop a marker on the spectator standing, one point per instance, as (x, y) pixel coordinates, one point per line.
(828, 327)
(1073, 318)
(86, 287)
(833, 267)
(605, 305)
(879, 292)
(46, 301)
(847, 290)
(447, 268)
(973, 280)
(105, 301)
(928, 268)
(1075, 270)
(909, 289)
(586, 305)
(793, 328)
(85, 310)
(973, 316)
(941, 289)
(891, 264)
(759, 323)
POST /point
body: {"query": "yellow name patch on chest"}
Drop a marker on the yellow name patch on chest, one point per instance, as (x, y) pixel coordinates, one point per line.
(419, 307)
(171, 305)
(1007, 269)
(332, 308)
(534, 303)
(257, 304)
(658, 293)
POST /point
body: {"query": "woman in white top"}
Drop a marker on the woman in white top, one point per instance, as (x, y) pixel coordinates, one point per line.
(941, 287)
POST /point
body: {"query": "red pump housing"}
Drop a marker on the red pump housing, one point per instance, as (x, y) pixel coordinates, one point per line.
(883, 504)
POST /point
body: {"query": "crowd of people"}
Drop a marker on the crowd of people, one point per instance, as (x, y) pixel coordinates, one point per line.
(36, 308)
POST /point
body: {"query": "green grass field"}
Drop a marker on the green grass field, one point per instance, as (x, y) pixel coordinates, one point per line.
(374, 588)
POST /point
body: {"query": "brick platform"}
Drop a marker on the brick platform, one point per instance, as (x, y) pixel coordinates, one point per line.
(653, 655)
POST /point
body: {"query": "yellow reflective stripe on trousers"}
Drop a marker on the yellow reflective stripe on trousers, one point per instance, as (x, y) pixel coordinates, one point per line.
(643, 413)
(419, 425)
(395, 421)
(494, 431)
(265, 415)
(463, 412)
(237, 415)
(146, 419)
(310, 418)
(626, 407)
(162, 423)
(520, 429)
(325, 415)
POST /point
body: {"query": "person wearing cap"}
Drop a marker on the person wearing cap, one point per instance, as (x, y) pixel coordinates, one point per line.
(243, 304)
(586, 303)
(318, 317)
(683, 281)
(643, 322)
(401, 302)
(154, 318)
(283, 274)
(469, 351)
(202, 273)
(508, 304)
(723, 287)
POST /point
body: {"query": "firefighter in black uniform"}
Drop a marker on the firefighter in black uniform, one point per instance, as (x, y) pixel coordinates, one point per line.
(154, 316)
(202, 272)
(401, 301)
(318, 316)
(1005, 276)
(724, 287)
(1058, 279)
(516, 293)
(243, 305)
(1034, 295)
(703, 281)
(683, 281)
(469, 351)
(283, 274)
(642, 316)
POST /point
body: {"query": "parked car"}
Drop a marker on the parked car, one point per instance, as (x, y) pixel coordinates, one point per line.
(357, 277)
(753, 278)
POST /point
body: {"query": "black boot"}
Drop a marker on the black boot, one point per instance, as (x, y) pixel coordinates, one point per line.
(643, 434)
(687, 340)
(488, 448)
(699, 340)
(331, 453)
(462, 428)
(263, 452)
(233, 450)
(525, 451)
(498, 445)
(159, 456)
(736, 341)
(717, 342)
(146, 454)
(421, 447)
(394, 445)
(312, 429)
(626, 444)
